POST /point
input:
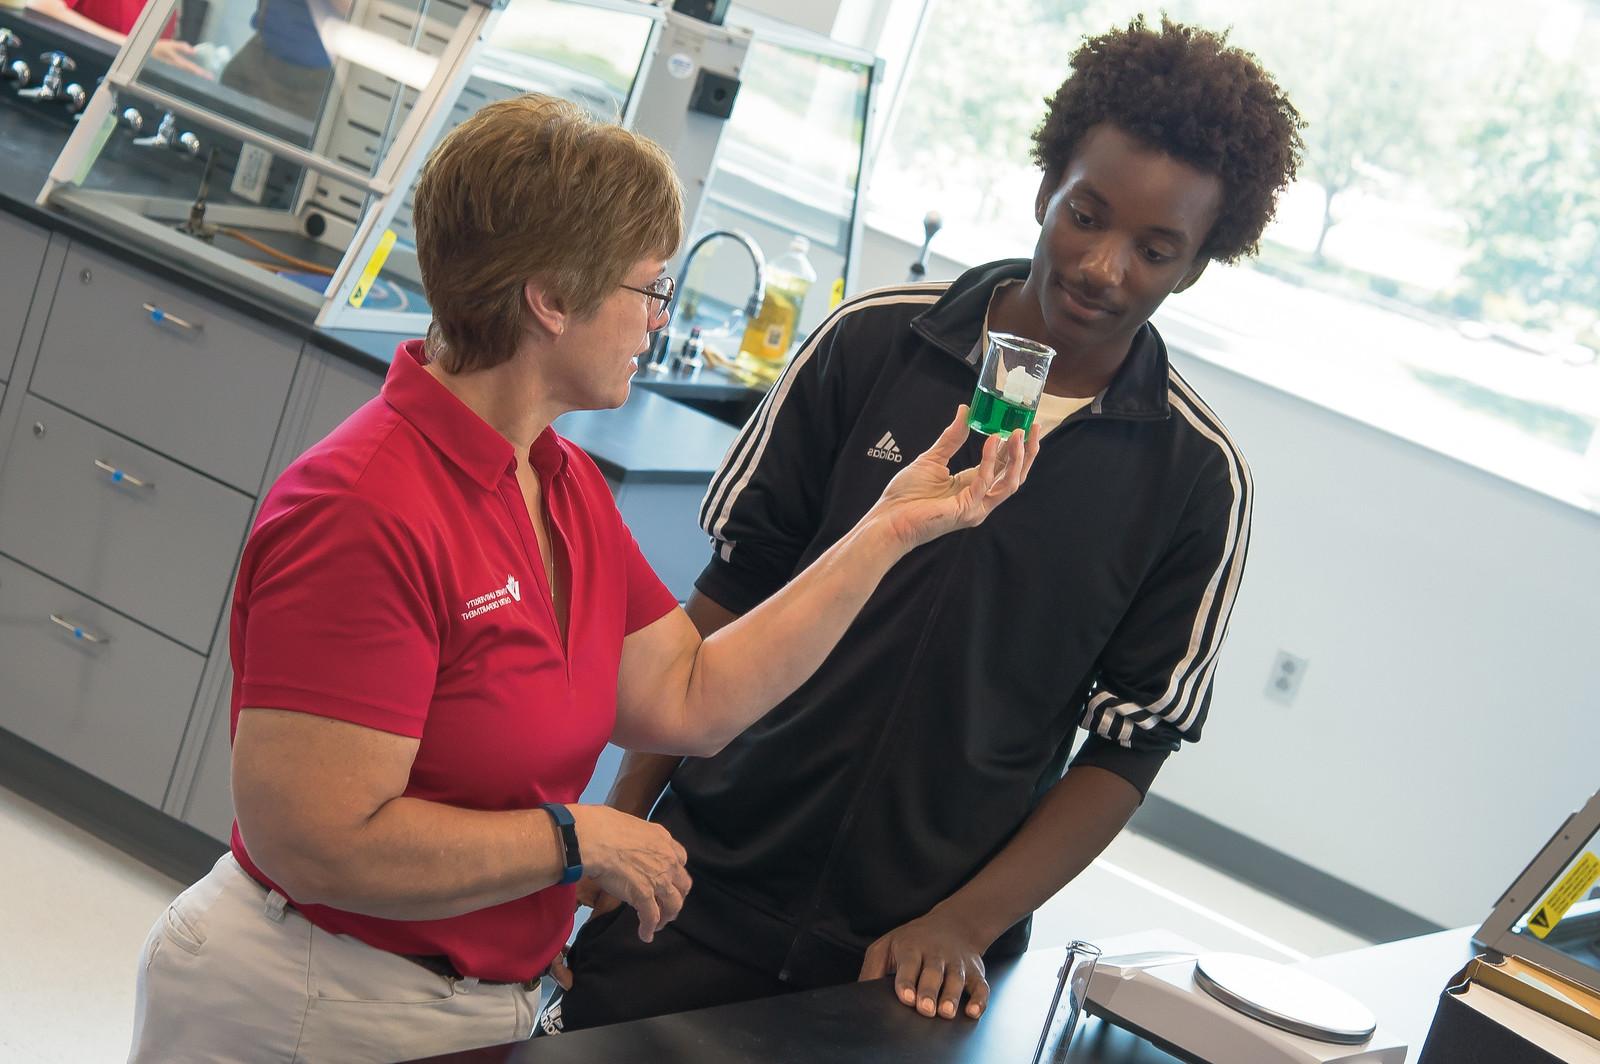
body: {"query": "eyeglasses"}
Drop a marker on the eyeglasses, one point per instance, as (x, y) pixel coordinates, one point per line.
(660, 292)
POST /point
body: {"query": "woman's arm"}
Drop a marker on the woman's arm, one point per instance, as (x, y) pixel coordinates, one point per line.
(643, 777)
(320, 810)
(679, 695)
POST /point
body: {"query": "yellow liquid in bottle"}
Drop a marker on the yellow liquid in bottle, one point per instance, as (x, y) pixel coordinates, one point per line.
(765, 346)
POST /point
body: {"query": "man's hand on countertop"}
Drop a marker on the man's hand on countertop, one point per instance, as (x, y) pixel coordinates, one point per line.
(935, 960)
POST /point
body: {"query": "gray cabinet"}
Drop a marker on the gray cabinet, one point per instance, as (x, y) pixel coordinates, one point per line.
(22, 249)
(143, 356)
(327, 390)
(119, 522)
(127, 484)
(91, 686)
(210, 805)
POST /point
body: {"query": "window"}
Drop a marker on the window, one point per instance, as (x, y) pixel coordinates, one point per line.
(1436, 270)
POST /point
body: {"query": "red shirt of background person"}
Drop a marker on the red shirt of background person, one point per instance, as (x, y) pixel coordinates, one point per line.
(119, 15)
(112, 20)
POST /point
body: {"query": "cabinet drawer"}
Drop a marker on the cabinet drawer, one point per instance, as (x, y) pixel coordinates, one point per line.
(203, 384)
(19, 273)
(115, 708)
(118, 522)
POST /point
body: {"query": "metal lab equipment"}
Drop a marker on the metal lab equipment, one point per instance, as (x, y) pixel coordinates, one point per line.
(791, 161)
(658, 343)
(1224, 1007)
(1066, 1004)
(1551, 914)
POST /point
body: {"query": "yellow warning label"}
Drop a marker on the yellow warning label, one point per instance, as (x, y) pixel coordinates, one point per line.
(1572, 888)
(380, 255)
(837, 295)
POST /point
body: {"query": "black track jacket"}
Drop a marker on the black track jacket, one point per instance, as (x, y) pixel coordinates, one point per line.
(1096, 598)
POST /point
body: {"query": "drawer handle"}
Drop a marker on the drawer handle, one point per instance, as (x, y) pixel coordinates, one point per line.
(120, 477)
(161, 317)
(79, 631)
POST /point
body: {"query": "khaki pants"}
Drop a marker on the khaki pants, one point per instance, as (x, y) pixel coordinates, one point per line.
(228, 973)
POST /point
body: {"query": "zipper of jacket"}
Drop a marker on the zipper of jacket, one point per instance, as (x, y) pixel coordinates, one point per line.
(870, 774)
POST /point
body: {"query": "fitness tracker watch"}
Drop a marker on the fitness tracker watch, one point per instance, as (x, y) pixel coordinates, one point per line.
(569, 841)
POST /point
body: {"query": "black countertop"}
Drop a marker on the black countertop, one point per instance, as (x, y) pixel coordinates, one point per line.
(856, 1022)
(650, 439)
(861, 1023)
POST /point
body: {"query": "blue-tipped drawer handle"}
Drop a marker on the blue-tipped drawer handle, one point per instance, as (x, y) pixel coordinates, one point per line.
(121, 476)
(79, 631)
(161, 317)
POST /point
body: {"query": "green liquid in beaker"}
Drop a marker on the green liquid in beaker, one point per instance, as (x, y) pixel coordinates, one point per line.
(992, 415)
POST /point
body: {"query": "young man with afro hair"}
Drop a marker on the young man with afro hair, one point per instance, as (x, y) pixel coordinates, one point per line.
(910, 806)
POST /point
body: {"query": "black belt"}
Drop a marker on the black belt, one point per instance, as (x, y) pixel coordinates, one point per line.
(439, 964)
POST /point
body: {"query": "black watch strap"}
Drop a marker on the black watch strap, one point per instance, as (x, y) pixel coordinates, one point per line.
(568, 831)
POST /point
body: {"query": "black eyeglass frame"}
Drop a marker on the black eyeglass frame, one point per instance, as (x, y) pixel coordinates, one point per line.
(663, 290)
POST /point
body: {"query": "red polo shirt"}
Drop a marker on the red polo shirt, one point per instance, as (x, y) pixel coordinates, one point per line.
(393, 580)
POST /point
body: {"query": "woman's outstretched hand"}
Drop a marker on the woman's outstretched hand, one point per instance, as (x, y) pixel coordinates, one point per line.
(925, 500)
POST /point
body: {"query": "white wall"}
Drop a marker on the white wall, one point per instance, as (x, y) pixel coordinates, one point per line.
(1446, 722)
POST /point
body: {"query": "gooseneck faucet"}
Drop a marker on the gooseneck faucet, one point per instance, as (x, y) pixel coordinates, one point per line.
(752, 306)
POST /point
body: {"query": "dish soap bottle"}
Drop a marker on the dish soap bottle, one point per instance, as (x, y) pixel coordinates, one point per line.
(767, 339)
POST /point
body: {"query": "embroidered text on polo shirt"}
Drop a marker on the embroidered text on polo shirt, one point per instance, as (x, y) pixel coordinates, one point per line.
(500, 596)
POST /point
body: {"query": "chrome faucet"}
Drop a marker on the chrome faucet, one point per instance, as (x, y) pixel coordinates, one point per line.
(165, 136)
(77, 98)
(8, 41)
(50, 86)
(12, 70)
(752, 306)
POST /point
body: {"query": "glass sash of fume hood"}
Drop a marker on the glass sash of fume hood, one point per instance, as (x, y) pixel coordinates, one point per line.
(589, 53)
(290, 168)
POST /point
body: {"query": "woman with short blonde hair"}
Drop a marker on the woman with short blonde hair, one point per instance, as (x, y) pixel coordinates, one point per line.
(536, 189)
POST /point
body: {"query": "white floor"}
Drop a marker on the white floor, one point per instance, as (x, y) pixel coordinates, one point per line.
(73, 916)
(74, 913)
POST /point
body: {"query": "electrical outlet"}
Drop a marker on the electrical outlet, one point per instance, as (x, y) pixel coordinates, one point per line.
(1283, 682)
